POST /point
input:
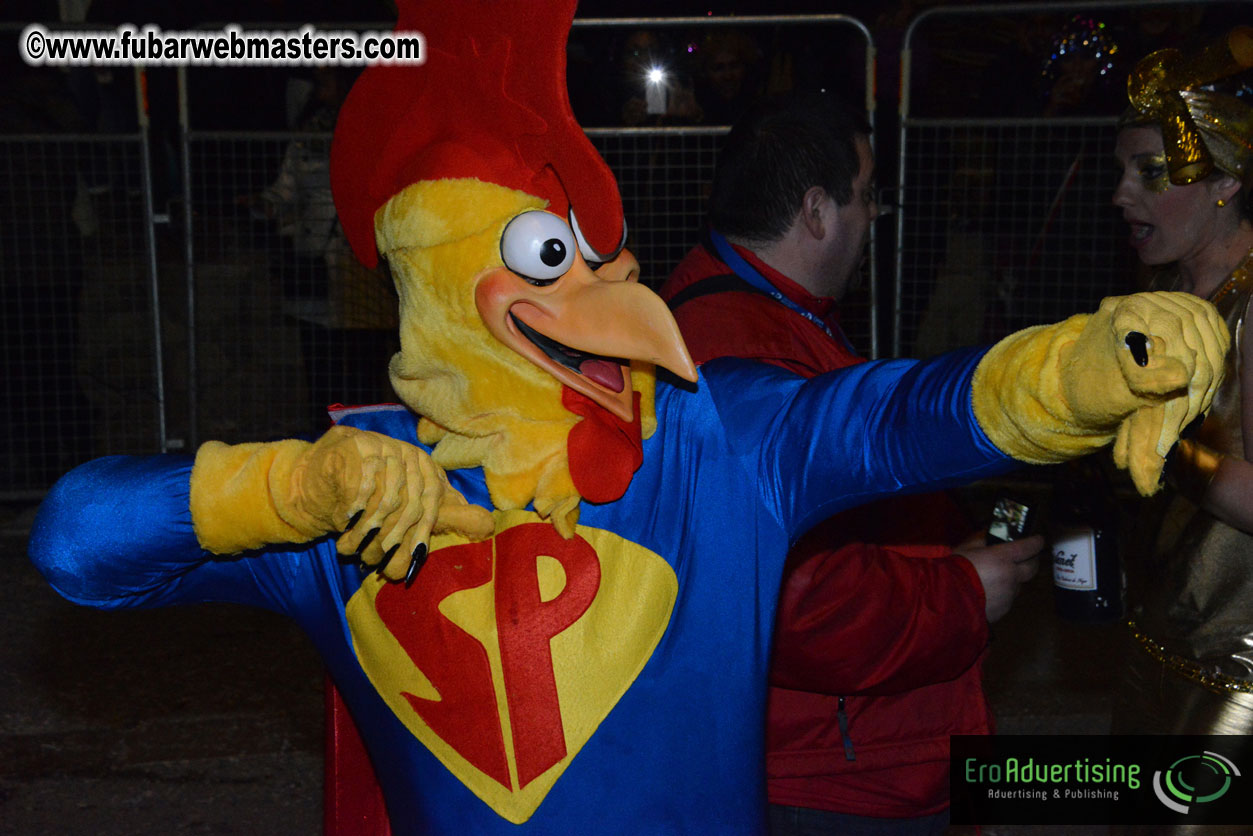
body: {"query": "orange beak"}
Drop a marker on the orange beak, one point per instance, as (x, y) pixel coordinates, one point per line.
(586, 327)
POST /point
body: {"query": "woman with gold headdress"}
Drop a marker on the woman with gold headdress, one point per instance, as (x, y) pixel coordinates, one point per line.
(1186, 152)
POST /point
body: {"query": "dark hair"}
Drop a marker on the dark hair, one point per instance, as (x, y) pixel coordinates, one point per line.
(780, 148)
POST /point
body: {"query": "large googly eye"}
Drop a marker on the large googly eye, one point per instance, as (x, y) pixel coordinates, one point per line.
(538, 247)
(590, 255)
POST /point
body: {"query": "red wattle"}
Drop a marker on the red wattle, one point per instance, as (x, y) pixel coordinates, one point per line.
(603, 450)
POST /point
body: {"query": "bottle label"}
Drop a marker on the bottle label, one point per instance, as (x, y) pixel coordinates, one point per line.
(1074, 559)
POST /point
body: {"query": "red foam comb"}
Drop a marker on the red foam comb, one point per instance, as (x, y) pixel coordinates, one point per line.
(489, 102)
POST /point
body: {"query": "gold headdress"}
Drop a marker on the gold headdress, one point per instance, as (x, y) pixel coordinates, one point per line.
(1201, 128)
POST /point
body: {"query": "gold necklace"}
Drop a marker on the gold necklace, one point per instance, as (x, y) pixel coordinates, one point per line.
(1237, 280)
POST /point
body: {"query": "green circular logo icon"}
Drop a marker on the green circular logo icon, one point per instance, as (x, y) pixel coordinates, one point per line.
(1194, 779)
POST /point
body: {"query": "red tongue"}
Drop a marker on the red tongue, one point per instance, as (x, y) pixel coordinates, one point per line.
(604, 372)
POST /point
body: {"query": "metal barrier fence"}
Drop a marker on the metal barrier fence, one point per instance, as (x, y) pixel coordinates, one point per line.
(73, 242)
(662, 175)
(1005, 167)
(168, 282)
(664, 169)
(321, 329)
(151, 305)
(286, 321)
(1009, 224)
(79, 289)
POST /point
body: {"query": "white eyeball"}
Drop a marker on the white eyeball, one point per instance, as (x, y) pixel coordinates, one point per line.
(538, 246)
(590, 255)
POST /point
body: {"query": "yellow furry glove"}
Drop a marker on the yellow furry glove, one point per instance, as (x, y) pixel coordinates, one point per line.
(387, 497)
(1136, 373)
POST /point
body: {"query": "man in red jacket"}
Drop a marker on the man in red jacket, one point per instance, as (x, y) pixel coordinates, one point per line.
(882, 624)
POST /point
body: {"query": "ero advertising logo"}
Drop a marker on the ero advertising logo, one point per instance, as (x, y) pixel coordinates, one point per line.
(1026, 778)
(1099, 779)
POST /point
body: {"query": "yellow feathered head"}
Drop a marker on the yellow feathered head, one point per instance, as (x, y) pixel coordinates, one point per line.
(526, 340)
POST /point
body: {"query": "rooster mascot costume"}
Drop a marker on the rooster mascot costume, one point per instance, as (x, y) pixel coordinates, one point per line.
(585, 648)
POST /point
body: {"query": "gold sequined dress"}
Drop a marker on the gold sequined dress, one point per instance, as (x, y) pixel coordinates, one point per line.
(1191, 588)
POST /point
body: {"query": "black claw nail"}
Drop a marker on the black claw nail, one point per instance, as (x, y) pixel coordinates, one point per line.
(354, 519)
(387, 556)
(1139, 345)
(419, 560)
(367, 539)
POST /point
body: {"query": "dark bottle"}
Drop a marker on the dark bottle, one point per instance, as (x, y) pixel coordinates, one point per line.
(1088, 579)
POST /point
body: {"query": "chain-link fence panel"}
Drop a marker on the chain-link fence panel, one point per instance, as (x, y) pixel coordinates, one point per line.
(287, 322)
(664, 178)
(1010, 225)
(82, 368)
(76, 299)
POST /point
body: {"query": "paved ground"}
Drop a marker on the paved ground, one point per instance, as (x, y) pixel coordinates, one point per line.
(201, 720)
(207, 719)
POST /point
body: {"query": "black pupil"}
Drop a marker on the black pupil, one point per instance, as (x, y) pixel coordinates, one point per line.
(552, 252)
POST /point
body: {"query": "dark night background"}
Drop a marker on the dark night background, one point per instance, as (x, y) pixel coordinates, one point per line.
(988, 67)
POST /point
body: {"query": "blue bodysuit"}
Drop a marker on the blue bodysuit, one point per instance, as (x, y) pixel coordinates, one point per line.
(610, 683)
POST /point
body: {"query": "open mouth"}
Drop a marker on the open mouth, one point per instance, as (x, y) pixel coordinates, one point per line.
(604, 371)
